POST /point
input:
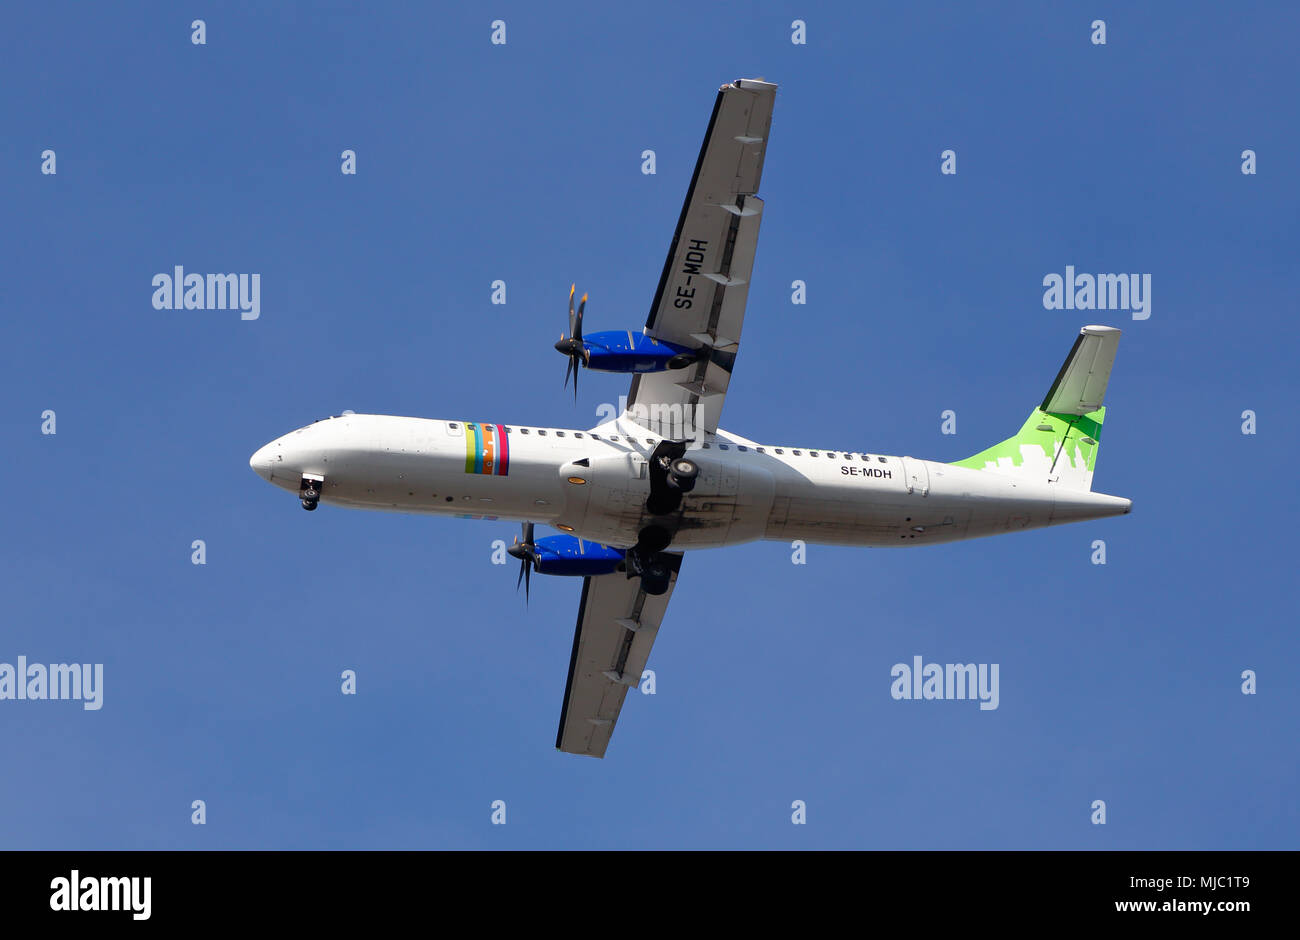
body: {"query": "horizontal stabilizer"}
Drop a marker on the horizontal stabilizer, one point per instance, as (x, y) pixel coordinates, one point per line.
(1081, 384)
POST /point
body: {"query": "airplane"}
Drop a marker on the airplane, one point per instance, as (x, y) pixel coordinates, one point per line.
(634, 493)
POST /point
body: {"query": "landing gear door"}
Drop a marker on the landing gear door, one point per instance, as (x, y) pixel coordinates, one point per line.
(917, 476)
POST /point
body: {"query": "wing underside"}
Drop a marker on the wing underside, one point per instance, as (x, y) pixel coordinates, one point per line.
(700, 301)
(617, 624)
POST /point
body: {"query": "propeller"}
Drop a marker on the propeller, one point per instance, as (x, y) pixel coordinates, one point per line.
(572, 346)
(526, 552)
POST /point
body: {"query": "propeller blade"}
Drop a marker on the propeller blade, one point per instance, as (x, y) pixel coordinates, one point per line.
(577, 324)
(528, 580)
(523, 565)
(571, 343)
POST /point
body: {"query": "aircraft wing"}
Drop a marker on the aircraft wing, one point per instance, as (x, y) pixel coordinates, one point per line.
(617, 624)
(705, 282)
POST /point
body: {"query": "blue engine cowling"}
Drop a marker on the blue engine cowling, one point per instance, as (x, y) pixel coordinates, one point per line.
(572, 556)
(625, 351)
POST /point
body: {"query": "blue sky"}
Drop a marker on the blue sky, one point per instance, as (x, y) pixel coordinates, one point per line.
(522, 163)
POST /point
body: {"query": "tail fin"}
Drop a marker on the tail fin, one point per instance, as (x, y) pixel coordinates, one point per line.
(1059, 442)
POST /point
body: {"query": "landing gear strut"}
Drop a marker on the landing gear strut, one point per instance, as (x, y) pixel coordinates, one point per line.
(309, 490)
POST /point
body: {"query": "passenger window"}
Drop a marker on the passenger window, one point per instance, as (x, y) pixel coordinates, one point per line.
(882, 460)
(613, 437)
(523, 430)
(577, 434)
(707, 446)
(797, 453)
(541, 431)
(559, 434)
(742, 447)
(780, 451)
(724, 447)
(761, 450)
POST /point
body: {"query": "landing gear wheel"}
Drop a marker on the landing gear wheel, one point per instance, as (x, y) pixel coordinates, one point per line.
(654, 578)
(682, 473)
(309, 490)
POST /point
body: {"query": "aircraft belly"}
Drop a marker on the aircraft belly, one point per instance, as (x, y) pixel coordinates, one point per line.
(730, 504)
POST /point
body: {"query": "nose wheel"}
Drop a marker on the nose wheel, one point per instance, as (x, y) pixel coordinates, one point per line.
(309, 490)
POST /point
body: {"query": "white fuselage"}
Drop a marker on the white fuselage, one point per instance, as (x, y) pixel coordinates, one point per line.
(595, 483)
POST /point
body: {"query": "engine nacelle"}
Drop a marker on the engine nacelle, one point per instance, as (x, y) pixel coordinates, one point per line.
(574, 557)
(625, 351)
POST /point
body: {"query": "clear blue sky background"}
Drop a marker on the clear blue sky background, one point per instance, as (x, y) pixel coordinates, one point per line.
(522, 162)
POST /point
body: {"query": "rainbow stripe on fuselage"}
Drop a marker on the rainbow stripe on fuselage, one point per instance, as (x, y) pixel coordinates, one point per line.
(487, 449)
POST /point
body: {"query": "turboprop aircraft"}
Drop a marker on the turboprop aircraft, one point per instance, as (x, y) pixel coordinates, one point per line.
(631, 495)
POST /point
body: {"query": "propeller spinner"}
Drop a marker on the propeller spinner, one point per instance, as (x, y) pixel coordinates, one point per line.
(572, 346)
(526, 552)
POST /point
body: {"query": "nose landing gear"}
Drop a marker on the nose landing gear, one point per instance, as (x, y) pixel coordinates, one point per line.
(309, 490)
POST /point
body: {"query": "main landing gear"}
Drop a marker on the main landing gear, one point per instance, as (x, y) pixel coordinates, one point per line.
(648, 560)
(672, 474)
(309, 490)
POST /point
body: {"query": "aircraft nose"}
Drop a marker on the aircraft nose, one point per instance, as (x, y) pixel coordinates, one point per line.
(263, 458)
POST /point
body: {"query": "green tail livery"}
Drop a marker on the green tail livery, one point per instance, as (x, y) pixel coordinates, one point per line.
(1059, 441)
